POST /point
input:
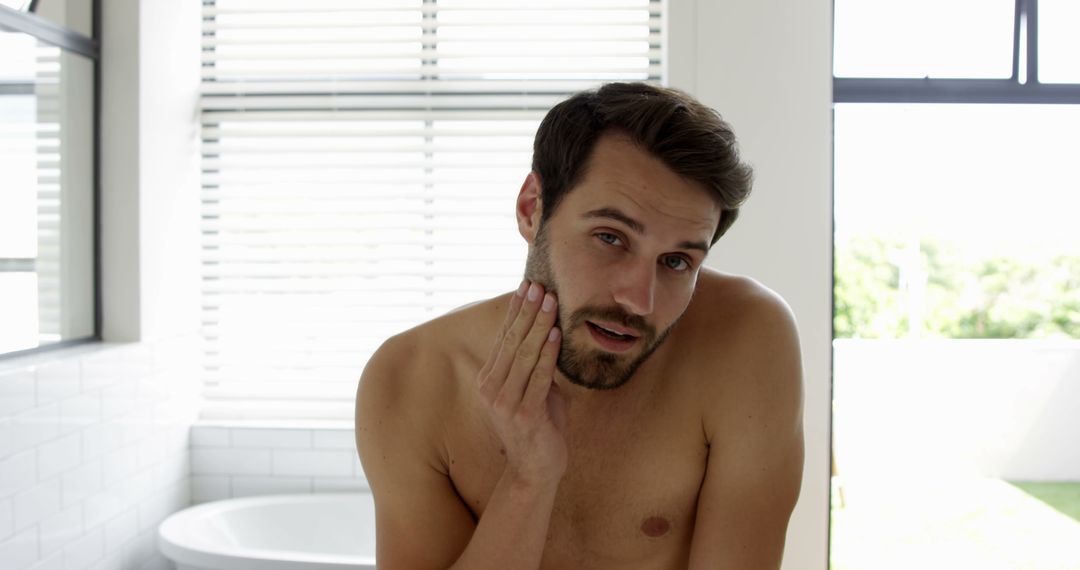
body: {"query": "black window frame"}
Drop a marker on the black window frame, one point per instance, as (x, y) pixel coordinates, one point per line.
(1012, 90)
(43, 30)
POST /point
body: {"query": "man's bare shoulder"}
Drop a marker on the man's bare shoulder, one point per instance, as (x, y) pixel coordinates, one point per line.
(753, 358)
(425, 363)
(735, 313)
(464, 333)
(721, 298)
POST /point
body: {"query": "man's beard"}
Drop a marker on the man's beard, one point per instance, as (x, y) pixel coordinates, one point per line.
(590, 368)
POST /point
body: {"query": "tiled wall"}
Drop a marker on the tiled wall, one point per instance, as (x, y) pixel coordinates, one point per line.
(235, 461)
(98, 445)
(94, 453)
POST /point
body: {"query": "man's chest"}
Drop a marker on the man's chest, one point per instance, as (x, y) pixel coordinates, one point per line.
(628, 498)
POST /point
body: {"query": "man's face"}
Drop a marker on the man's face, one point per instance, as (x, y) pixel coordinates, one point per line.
(622, 253)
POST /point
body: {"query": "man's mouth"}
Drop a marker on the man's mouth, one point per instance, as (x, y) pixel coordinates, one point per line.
(614, 339)
(615, 333)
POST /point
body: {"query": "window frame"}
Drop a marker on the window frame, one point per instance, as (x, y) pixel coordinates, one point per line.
(935, 90)
(43, 30)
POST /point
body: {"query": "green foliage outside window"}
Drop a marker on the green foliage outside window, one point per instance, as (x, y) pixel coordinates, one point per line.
(955, 296)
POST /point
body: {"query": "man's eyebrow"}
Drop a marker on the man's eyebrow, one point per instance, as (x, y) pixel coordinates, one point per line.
(699, 245)
(614, 214)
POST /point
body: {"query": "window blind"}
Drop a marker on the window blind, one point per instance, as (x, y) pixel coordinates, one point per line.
(31, 141)
(360, 165)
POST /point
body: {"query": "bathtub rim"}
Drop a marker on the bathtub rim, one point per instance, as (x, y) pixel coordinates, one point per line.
(171, 535)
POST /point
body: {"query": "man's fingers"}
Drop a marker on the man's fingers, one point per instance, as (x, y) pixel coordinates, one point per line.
(518, 329)
(510, 341)
(529, 353)
(544, 373)
(511, 312)
(515, 304)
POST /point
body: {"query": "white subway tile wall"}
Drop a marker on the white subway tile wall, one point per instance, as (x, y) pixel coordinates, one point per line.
(97, 448)
(94, 453)
(240, 461)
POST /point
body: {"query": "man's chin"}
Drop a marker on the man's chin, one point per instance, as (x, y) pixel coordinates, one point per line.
(599, 371)
(595, 385)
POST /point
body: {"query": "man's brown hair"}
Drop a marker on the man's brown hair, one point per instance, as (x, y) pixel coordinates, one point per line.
(690, 138)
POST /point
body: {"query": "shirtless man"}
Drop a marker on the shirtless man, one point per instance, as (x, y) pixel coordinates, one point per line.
(626, 407)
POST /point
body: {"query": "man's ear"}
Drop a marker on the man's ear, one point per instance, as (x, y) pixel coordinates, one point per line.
(529, 207)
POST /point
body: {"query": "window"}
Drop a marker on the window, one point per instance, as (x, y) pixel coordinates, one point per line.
(360, 165)
(48, 175)
(981, 184)
(957, 284)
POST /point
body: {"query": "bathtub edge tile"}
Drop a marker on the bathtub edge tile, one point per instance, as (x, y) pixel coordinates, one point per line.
(209, 488)
(270, 438)
(231, 462)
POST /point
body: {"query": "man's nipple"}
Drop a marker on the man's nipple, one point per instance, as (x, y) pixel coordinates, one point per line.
(655, 526)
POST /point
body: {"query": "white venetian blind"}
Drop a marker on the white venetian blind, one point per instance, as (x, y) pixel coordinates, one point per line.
(31, 135)
(360, 164)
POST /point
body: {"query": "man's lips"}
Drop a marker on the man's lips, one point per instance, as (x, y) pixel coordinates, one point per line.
(608, 342)
(616, 328)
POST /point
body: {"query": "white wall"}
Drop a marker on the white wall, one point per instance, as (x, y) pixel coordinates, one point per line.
(169, 74)
(766, 66)
(94, 453)
(150, 169)
(985, 408)
(120, 247)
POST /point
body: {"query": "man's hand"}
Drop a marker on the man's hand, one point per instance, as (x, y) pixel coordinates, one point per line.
(415, 500)
(517, 389)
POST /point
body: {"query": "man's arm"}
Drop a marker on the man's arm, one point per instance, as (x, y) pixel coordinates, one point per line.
(421, 522)
(756, 449)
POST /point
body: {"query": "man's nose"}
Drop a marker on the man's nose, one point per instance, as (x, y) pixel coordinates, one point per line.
(636, 287)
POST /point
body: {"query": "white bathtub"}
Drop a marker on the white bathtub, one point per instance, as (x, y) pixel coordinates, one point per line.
(332, 531)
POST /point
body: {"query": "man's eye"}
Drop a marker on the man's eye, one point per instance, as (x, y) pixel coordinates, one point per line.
(677, 263)
(610, 239)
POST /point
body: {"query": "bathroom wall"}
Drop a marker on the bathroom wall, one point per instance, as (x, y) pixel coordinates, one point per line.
(94, 453)
(238, 461)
